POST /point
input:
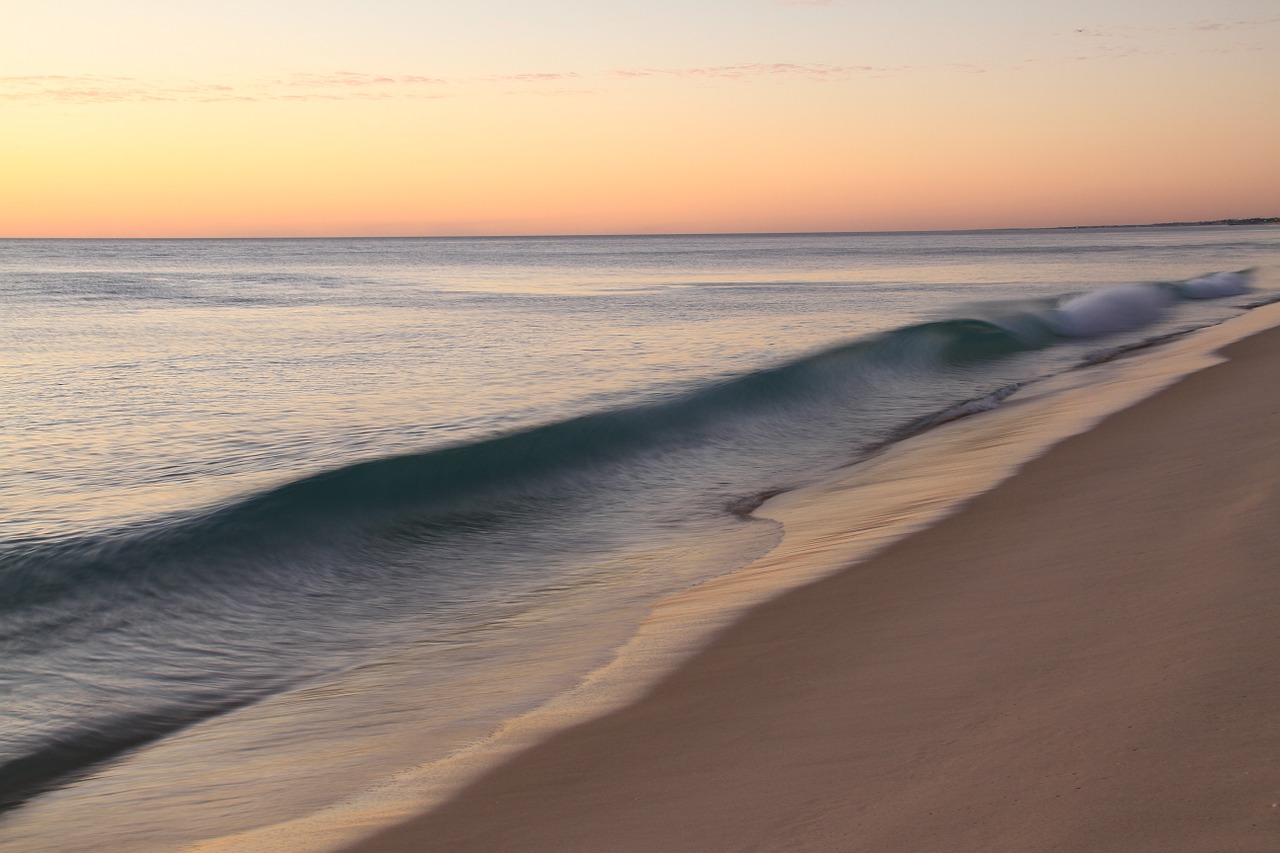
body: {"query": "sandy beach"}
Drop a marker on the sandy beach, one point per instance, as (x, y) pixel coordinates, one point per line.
(640, 427)
(1082, 659)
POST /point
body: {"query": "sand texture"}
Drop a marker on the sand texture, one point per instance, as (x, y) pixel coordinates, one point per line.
(1086, 658)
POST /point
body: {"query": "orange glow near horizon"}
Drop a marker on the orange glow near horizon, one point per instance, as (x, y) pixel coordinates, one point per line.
(1156, 134)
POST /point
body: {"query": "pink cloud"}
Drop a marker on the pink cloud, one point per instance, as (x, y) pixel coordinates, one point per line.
(346, 85)
(1200, 26)
(761, 69)
(540, 77)
(357, 79)
(339, 86)
(1213, 26)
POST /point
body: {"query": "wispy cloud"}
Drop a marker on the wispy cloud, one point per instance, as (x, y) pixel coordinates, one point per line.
(301, 86)
(96, 89)
(87, 88)
(356, 79)
(1212, 26)
(360, 85)
(555, 77)
(347, 85)
(817, 72)
(1123, 42)
(1132, 32)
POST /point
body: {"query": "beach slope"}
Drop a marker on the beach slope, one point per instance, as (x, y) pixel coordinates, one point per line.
(1083, 659)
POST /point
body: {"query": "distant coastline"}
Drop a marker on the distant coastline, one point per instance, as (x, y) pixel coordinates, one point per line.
(1257, 220)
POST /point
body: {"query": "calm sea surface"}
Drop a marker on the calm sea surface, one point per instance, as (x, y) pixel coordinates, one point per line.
(282, 518)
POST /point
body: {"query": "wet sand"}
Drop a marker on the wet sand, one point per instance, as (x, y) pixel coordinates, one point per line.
(1083, 659)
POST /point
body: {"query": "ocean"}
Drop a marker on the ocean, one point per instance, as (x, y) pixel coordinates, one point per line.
(286, 520)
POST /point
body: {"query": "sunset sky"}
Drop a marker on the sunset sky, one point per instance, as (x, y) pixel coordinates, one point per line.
(424, 117)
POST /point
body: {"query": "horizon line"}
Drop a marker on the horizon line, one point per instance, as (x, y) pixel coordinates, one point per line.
(1227, 222)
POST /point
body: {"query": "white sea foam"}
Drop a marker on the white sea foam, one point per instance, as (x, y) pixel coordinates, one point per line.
(1115, 309)
(1214, 285)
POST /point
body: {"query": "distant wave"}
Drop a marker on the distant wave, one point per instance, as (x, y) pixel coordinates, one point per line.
(1214, 285)
(1116, 309)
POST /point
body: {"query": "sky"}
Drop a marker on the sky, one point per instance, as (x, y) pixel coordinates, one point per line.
(184, 118)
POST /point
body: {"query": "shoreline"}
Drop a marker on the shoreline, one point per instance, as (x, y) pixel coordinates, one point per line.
(466, 811)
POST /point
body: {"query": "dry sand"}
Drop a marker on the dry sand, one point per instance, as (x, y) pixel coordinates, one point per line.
(1083, 659)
